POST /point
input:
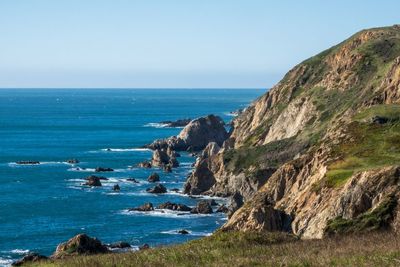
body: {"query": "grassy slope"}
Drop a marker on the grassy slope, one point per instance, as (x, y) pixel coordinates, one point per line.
(255, 249)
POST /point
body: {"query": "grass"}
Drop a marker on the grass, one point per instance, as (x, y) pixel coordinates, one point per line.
(257, 249)
(371, 145)
(377, 219)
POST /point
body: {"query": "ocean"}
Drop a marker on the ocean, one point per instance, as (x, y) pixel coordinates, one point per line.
(46, 204)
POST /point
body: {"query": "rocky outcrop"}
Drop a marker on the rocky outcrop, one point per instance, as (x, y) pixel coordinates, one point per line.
(195, 136)
(102, 169)
(174, 206)
(158, 189)
(145, 164)
(78, 245)
(305, 156)
(165, 158)
(30, 258)
(116, 188)
(145, 207)
(93, 181)
(202, 207)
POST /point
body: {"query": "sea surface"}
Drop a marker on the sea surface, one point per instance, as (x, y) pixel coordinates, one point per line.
(44, 205)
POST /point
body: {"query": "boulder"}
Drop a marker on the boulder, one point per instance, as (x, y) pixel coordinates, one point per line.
(80, 244)
(72, 161)
(32, 257)
(101, 169)
(145, 164)
(116, 187)
(158, 189)
(145, 207)
(203, 207)
(159, 158)
(154, 177)
(174, 206)
(183, 232)
(93, 181)
(167, 168)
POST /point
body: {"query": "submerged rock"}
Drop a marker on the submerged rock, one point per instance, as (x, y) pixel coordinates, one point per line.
(32, 257)
(183, 232)
(80, 244)
(132, 180)
(154, 177)
(203, 207)
(145, 207)
(101, 169)
(72, 161)
(158, 189)
(27, 162)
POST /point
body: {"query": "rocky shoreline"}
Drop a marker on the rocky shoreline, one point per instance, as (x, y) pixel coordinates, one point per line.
(201, 137)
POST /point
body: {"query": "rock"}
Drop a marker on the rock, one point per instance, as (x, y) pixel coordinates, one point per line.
(145, 207)
(203, 207)
(173, 162)
(195, 136)
(154, 177)
(28, 162)
(144, 246)
(175, 190)
(379, 120)
(72, 161)
(80, 244)
(159, 158)
(212, 202)
(222, 209)
(167, 168)
(177, 123)
(93, 181)
(116, 187)
(145, 164)
(158, 189)
(183, 232)
(173, 206)
(235, 202)
(101, 169)
(132, 180)
(120, 245)
(32, 257)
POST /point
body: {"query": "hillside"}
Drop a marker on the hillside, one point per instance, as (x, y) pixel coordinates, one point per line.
(319, 152)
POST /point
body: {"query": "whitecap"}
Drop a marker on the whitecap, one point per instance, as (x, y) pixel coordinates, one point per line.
(20, 251)
(125, 150)
(5, 262)
(156, 125)
(192, 233)
(79, 169)
(165, 213)
(15, 164)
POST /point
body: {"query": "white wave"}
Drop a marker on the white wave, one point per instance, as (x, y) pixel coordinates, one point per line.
(192, 233)
(156, 125)
(231, 114)
(79, 169)
(122, 250)
(14, 164)
(20, 251)
(165, 213)
(125, 149)
(5, 262)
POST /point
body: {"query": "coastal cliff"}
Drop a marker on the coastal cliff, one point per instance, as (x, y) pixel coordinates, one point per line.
(319, 153)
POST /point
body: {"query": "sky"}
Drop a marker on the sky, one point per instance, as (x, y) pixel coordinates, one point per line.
(172, 43)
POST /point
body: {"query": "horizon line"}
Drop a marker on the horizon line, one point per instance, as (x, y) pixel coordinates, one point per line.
(134, 88)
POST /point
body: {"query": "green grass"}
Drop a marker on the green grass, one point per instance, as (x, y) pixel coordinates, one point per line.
(377, 219)
(256, 249)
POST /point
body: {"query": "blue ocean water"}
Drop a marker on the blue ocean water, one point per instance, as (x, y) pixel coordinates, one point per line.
(43, 205)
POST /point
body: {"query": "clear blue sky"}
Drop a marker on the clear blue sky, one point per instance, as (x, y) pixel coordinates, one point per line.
(171, 43)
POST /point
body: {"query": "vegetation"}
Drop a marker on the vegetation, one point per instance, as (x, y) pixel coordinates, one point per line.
(257, 249)
(377, 219)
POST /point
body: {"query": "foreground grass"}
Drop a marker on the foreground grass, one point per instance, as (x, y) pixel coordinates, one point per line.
(255, 249)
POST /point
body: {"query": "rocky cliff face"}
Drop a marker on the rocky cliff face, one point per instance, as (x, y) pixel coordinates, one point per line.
(319, 152)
